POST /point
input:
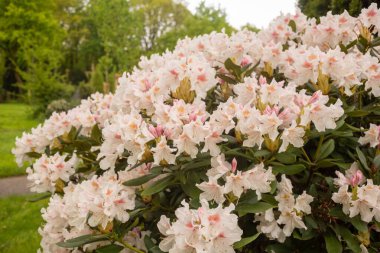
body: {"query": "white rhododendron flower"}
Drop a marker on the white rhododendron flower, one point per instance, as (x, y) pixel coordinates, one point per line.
(371, 137)
(47, 170)
(200, 230)
(291, 210)
(357, 195)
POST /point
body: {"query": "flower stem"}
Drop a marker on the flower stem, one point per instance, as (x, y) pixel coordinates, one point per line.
(127, 245)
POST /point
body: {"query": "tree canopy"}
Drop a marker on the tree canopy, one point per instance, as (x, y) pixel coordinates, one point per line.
(317, 8)
(59, 45)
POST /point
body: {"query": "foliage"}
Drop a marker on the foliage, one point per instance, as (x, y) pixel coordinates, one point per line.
(318, 8)
(46, 46)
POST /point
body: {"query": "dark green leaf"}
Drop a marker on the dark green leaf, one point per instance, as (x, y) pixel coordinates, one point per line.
(286, 158)
(149, 244)
(244, 241)
(158, 186)
(333, 245)
(362, 158)
(112, 248)
(82, 240)
(44, 196)
(96, 134)
(359, 224)
(376, 162)
(140, 180)
(326, 149)
(289, 169)
(293, 25)
(358, 113)
(258, 207)
(33, 155)
(350, 239)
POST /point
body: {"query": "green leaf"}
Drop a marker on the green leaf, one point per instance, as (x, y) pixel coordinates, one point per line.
(359, 224)
(232, 67)
(112, 248)
(358, 113)
(140, 180)
(293, 25)
(289, 169)
(244, 241)
(96, 134)
(258, 207)
(195, 165)
(333, 245)
(158, 186)
(362, 158)
(326, 149)
(44, 196)
(82, 240)
(286, 158)
(227, 79)
(376, 162)
(33, 155)
(149, 244)
(350, 239)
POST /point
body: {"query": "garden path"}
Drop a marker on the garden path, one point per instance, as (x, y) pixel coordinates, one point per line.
(14, 186)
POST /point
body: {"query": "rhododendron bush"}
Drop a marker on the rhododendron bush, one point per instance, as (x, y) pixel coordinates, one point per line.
(266, 142)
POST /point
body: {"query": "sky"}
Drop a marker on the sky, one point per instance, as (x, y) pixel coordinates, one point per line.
(256, 12)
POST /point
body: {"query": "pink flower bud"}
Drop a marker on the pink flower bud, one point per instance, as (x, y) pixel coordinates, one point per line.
(262, 80)
(356, 178)
(192, 117)
(315, 97)
(153, 131)
(159, 130)
(233, 165)
(245, 61)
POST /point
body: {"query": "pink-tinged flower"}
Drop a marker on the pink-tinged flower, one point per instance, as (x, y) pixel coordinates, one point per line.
(200, 230)
(371, 137)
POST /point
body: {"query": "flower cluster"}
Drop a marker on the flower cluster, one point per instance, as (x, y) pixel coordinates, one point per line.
(291, 211)
(357, 195)
(225, 139)
(236, 182)
(48, 170)
(95, 110)
(203, 230)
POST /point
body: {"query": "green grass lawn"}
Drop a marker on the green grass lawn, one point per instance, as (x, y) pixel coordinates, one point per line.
(19, 221)
(14, 119)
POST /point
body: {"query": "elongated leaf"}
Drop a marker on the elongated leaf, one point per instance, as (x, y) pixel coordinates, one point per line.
(245, 241)
(359, 224)
(289, 169)
(350, 239)
(333, 245)
(258, 207)
(362, 158)
(376, 162)
(82, 240)
(201, 164)
(44, 196)
(96, 134)
(112, 248)
(158, 186)
(140, 180)
(326, 149)
(149, 244)
(286, 158)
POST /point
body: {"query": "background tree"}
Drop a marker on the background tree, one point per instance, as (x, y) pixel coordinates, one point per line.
(317, 8)
(50, 48)
(30, 42)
